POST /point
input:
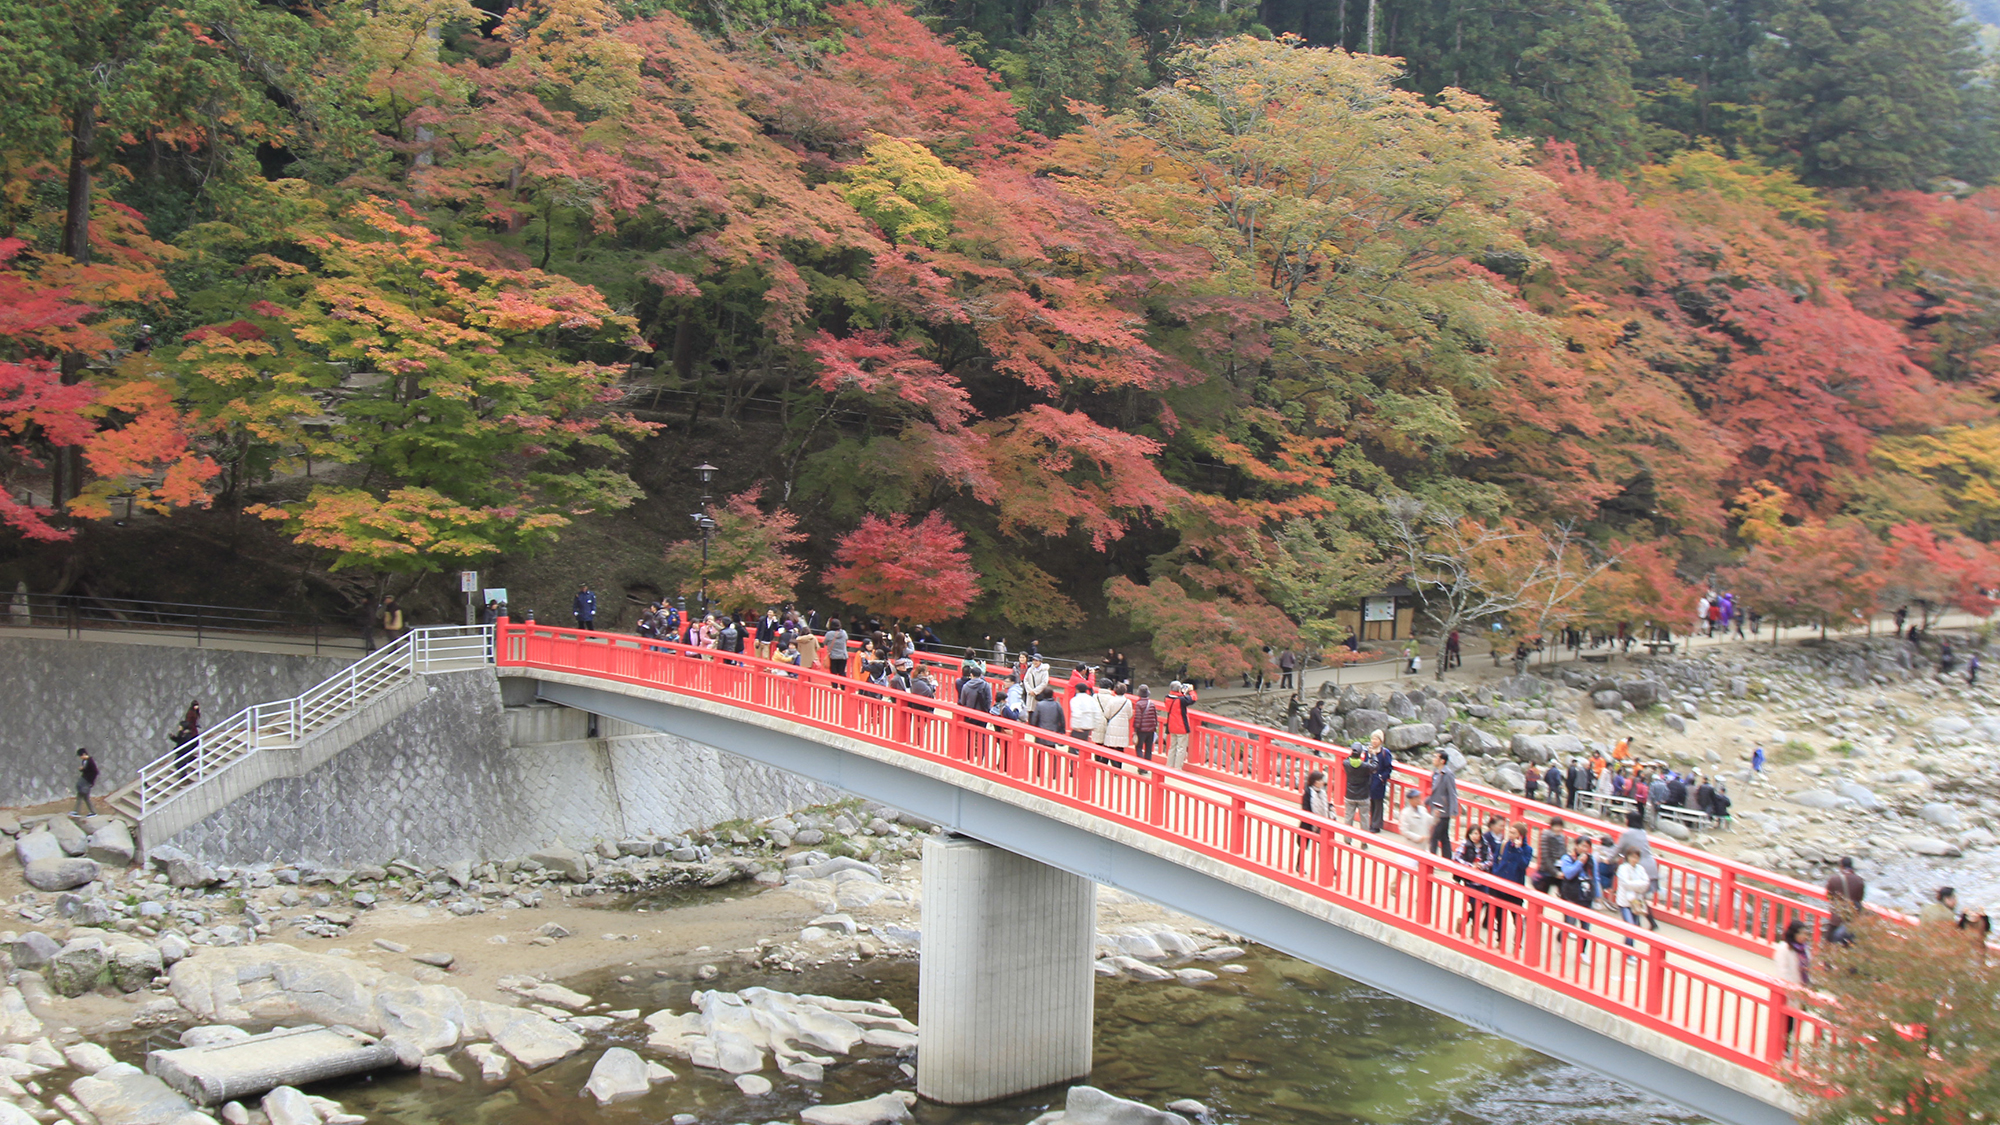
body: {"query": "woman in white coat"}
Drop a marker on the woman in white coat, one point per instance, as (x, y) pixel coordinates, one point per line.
(1117, 708)
(1086, 718)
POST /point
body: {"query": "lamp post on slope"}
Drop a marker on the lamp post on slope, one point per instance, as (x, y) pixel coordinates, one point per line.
(706, 525)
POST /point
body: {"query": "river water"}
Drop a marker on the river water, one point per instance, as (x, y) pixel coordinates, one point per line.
(1285, 1043)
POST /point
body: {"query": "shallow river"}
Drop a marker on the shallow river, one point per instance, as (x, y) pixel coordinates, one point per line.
(1283, 1044)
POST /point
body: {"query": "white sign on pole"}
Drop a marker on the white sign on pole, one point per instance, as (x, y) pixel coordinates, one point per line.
(468, 581)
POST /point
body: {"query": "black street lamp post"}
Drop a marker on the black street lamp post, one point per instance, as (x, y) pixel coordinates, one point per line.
(706, 524)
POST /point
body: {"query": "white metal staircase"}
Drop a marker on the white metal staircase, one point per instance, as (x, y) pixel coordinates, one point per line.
(288, 737)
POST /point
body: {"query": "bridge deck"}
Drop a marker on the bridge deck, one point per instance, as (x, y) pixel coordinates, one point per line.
(1701, 982)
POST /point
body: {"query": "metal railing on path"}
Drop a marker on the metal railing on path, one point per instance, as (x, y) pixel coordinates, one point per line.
(76, 614)
(288, 724)
(1713, 1005)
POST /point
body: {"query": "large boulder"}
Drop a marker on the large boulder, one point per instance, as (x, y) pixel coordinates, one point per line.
(133, 965)
(1523, 686)
(620, 1075)
(1860, 795)
(1364, 721)
(186, 871)
(1941, 814)
(1641, 693)
(39, 844)
(1436, 712)
(1674, 723)
(79, 966)
(1400, 707)
(1606, 700)
(111, 844)
(34, 949)
(60, 874)
(122, 1094)
(535, 1040)
(567, 862)
(1409, 736)
(69, 835)
(1475, 741)
(1818, 799)
(1541, 749)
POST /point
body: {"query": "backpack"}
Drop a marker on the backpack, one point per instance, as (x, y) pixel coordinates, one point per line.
(1146, 717)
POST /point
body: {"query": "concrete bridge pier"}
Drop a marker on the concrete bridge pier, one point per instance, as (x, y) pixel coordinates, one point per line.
(1006, 988)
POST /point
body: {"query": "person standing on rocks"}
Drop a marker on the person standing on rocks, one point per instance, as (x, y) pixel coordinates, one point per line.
(1972, 671)
(86, 780)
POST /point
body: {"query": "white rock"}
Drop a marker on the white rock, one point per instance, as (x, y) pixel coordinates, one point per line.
(620, 1075)
(1930, 845)
(494, 1066)
(87, 1057)
(1088, 1105)
(287, 1106)
(534, 1040)
(437, 1066)
(1194, 976)
(753, 1085)
(890, 1107)
(1139, 970)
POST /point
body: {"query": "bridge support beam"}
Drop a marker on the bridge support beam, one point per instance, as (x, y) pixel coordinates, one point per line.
(1006, 987)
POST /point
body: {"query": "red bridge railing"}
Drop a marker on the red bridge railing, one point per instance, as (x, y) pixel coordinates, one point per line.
(1719, 898)
(1722, 1008)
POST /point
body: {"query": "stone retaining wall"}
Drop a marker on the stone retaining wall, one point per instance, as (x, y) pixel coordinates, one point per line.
(440, 782)
(121, 701)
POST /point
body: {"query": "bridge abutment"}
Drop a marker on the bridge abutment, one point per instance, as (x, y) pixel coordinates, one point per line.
(1006, 987)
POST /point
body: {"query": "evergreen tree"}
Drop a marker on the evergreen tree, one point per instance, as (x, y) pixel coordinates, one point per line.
(1869, 93)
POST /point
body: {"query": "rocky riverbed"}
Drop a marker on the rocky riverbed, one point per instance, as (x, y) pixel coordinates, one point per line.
(457, 968)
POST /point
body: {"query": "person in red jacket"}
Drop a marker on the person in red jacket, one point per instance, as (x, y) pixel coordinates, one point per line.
(1180, 699)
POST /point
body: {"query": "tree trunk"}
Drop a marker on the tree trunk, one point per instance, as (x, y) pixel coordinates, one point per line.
(1371, 28)
(66, 463)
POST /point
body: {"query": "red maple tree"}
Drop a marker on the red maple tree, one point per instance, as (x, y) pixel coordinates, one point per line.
(911, 572)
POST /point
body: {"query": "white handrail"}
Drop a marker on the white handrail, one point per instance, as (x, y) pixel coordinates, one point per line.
(289, 723)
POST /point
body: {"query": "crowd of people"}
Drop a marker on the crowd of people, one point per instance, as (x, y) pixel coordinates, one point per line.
(1650, 786)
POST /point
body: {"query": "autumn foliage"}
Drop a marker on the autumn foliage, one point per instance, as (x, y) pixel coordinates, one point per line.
(917, 572)
(1260, 298)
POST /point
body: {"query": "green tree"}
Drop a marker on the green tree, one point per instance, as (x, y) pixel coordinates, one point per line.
(1869, 93)
(210, 77)
(452, 388)
(1082, 50)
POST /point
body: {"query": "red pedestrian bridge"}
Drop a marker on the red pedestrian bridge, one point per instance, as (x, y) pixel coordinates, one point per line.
(1689, 1013)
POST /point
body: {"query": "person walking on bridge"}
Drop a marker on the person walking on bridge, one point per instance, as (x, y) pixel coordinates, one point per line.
(836, 647)
(1442, 803)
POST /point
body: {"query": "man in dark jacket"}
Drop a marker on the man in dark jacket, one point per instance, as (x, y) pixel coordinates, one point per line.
(1550, 849)
(1579, 779)
(585, 608)
(1378, 785)
(1442, 804)
(1677, 792)
(767, 633)
(1360, 768)
(1553, 778)
(976, 694)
